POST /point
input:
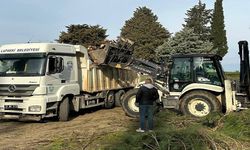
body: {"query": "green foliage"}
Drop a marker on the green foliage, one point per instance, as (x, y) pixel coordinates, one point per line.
(83, 35)
(195, 37)
(146, 32)
(61, 144)
(185, 42)
(173, 131)
(198, 18)
(236, 125)
(218, 29)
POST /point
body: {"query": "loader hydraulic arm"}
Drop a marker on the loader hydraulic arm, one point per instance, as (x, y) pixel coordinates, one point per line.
(244, 68)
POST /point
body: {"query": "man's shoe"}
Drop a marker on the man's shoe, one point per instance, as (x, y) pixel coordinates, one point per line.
(140, 130)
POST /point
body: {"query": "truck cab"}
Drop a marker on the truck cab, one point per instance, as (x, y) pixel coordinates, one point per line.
(34, 77)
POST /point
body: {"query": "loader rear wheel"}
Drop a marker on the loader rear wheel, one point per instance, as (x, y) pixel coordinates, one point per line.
(118, 98)
(128, 103)
(110, 100)
(63, 113)
(199, 104)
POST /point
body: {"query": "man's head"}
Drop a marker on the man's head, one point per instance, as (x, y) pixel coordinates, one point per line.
(148, 81)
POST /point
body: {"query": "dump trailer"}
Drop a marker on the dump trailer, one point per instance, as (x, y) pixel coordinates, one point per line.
(194, 84)
(39, 80)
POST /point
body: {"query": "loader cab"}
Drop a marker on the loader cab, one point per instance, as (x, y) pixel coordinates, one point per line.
(188, 69)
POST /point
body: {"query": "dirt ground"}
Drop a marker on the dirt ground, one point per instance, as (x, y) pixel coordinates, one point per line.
(85, 125)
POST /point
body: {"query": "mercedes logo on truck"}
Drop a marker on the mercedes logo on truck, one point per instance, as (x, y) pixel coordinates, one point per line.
(12, 88)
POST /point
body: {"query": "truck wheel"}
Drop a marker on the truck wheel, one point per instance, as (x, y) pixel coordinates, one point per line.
(110, 100)
(118, 97)
(199, 104)
(128, 103)
(64, 110)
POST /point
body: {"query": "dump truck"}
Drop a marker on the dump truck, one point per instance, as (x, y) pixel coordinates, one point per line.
(194, 84)
(40, 80)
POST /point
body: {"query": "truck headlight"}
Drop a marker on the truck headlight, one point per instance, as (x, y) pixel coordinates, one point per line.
(35, 108)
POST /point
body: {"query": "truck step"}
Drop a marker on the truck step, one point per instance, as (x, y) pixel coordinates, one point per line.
(94, 105)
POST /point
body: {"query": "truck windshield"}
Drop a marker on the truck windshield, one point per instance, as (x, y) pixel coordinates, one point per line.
(22, 64)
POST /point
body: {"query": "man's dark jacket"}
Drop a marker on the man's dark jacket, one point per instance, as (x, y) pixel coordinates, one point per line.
(147, 94)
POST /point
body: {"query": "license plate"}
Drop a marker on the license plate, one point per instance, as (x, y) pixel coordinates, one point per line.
(10, 107)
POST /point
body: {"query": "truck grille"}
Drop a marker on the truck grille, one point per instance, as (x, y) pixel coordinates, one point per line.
(21, 90)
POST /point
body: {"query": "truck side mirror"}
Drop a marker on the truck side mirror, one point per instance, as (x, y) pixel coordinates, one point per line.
(55, 65)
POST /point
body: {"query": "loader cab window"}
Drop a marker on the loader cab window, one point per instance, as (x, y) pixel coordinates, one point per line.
(180, 74)
(205, 71)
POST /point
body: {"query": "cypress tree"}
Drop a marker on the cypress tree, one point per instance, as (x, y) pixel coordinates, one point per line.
(219, 38)
(147, 33)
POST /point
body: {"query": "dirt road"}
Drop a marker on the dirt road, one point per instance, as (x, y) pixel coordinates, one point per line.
(33, 135)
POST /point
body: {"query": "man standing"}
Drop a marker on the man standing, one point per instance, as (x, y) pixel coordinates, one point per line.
(146, 96)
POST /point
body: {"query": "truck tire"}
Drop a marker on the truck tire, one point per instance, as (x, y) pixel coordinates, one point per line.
(118, 98)
(110, 100)
(199, 104)
(128, 103)
(63, 113)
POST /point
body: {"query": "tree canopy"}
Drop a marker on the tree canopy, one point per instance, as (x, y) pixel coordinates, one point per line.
(83, 35)
(185, 42)
(195, 37)
(147, 33)
(199, 18)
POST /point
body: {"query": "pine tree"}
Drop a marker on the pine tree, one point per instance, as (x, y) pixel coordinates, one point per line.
(185, 42)
(83, 35)
(198, 18)
(219, 38)
(146, 32)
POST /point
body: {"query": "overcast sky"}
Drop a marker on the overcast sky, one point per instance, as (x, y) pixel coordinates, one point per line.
(43, 20)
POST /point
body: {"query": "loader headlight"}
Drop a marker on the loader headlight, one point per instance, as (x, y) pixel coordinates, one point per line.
(35, 108)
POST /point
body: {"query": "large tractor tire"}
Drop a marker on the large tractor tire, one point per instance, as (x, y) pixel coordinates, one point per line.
(110, 100)
(128, 103)
(64, 110)
(199, 104)
(118, 98)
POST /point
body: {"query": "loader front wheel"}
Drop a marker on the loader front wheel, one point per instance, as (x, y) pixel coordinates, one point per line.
(199, 104)
(63, 113)
(128, 103)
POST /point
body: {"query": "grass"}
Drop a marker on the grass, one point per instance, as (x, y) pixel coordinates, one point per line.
(59, 143)
(174, 132)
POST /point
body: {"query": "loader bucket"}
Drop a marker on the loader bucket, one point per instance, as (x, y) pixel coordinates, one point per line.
(112, 54)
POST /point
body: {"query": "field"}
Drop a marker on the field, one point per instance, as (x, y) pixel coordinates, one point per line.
(112, 129)
(232, 75)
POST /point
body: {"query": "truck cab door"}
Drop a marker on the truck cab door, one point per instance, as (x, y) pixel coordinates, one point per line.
(55, 65)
